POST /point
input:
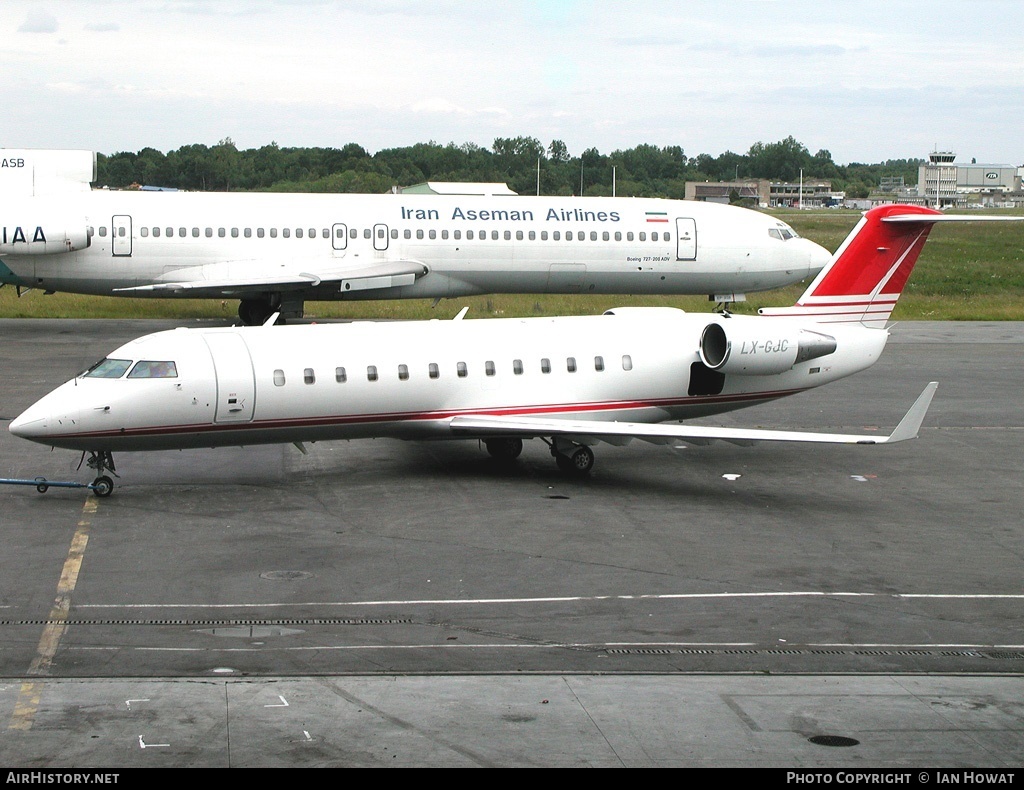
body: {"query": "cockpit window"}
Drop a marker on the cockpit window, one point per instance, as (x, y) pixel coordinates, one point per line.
(782, 233)
(147, 369)
(109, 369)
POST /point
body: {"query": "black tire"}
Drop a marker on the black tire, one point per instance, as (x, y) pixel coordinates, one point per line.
(506, 449)
(103, 486)
(582, 460)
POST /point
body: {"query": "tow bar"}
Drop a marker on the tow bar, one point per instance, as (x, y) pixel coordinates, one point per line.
(102, 486)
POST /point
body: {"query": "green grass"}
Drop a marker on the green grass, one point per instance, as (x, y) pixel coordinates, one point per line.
(967, 272)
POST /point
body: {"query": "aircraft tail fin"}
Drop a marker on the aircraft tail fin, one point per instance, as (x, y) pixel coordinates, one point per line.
(35, 172)
(866, 275)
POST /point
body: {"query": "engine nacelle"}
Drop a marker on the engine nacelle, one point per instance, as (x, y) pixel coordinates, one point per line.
(760, 350)
(48, 237)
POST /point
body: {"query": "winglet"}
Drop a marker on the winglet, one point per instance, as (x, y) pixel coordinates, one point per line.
(910, 425)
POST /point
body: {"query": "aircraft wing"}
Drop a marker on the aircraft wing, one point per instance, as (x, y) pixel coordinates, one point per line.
(591, 432)
(233, 278)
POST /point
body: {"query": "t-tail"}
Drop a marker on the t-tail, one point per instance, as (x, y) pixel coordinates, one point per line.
(866, 276)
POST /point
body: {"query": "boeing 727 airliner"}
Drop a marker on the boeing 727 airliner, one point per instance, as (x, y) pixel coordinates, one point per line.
(572, 382)
(273, 252)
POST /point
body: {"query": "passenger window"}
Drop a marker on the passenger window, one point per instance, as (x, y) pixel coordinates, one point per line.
(234, 233)
(517, 367)
(570, 364)
(182, 232)
(629, 235)
(308, 376)
(508, 235)
(259, 233)
(419, 234)
(286, 233)
(627, 362)
(433, 234)
(340, 375)
(593, 235)
(469, 235)
(371, 372)
(403, 372)
(144, 231)
(494, 235)
(154, 370)
(367, 233)
(462, 370)
(519, 235)
(247, 233)
(278, 378)
(489, 368)
(555, 235)
(605, 236)
(543, 235)
(195, 233)
(156, 232)
(273, 233)
(444, 234)
(643, 236)
(298, 233)
(209, 233)
(457, 234)
(408, 233)
(533, 235)
(435, 371)
(545, 365)
(618, 235)
(312, 233)
(394, 233)
(598, 363)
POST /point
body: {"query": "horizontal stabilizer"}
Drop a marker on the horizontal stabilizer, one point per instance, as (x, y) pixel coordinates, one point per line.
(590, 431)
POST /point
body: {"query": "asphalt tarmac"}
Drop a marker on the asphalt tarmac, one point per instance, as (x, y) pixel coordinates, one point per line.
(379, 603)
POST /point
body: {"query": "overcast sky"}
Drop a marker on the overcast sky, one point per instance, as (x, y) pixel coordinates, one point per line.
(867, 80)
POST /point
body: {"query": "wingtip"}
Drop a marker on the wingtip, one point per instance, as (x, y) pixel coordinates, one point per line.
(910, 425)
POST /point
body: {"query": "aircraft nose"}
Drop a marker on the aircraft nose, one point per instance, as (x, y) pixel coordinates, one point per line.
(817, 257)
(28, 425)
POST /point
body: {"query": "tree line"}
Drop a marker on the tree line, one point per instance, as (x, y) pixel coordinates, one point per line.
(524, 163)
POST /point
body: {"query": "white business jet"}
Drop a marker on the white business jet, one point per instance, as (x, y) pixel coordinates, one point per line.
(572, 382)
(275, 251)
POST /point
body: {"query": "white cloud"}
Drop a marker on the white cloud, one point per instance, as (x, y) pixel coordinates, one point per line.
(37, 21)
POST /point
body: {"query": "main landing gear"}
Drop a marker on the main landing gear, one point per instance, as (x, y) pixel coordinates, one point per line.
(577, 459)
(101, 461)
(573, 458)
(255, 311)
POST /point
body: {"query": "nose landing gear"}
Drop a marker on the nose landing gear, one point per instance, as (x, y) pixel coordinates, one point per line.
(101, 461)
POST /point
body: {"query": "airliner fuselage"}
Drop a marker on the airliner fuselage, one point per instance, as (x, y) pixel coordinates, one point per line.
(275, 251)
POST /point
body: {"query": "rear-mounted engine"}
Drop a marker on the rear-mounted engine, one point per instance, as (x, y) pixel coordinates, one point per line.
(47, 238)
(760, 351)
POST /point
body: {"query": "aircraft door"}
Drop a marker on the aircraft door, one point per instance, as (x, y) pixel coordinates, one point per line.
(236, 384)
(121, 233)
(686, 239)
(380, 237)
(339, 239)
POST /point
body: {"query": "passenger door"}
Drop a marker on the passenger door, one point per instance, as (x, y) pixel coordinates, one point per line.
(236, 382)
